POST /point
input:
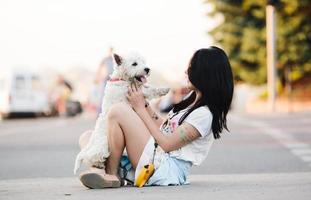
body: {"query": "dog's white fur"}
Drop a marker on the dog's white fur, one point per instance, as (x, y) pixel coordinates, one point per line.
(96, 151)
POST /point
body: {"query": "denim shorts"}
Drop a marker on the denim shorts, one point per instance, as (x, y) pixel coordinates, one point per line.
(168, 170)
(172, 171)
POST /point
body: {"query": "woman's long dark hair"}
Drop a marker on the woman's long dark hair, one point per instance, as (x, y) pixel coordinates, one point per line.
(210, 73)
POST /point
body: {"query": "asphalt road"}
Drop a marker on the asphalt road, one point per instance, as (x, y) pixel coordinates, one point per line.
(260, 146)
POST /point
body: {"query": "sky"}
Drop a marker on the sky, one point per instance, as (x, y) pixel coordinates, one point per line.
(62, 34)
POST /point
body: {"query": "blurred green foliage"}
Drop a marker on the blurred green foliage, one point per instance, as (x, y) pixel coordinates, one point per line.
(242, 34)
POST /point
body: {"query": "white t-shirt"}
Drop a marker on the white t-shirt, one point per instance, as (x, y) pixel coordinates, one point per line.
(197, 150)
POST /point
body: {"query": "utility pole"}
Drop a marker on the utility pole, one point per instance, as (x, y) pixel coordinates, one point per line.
(271, 53)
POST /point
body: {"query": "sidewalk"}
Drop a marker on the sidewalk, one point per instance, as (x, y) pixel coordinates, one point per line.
(221, 187)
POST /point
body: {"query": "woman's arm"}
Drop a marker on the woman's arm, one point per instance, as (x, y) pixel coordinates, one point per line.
(155, 117)
(183, 135)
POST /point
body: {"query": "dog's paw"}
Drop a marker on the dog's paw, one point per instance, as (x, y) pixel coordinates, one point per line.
(96, 154)
(100, 165)
(91, 156)
(163, 91)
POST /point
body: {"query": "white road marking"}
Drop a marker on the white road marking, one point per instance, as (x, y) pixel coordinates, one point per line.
(299, 149)
(306, 158)
(299, 152)
(297, 145)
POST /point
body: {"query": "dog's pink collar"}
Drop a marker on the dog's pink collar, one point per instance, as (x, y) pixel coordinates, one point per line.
(116, 79)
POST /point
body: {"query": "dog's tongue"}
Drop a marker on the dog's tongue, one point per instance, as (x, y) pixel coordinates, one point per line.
(143, 79)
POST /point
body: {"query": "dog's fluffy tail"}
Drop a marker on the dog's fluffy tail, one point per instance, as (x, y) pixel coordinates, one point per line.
(78, 163)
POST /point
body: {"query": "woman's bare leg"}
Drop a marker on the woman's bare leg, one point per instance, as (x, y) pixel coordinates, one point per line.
(126, 130)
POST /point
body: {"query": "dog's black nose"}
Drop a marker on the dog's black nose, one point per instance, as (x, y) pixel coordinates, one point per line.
(147, 70)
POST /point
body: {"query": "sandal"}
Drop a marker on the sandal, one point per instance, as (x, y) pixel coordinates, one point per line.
(94, 180)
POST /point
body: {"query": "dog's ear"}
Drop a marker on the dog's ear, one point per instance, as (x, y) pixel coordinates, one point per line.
(118, 59)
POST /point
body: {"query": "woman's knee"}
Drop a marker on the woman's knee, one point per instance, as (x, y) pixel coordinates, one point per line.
(84, 138)
(119, 110)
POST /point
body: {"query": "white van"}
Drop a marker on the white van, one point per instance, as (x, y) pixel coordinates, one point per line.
(22, 91)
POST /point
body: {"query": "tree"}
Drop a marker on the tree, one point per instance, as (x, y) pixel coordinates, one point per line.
(242, 34)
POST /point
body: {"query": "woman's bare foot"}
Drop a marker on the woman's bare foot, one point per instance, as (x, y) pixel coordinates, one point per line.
(98, 179)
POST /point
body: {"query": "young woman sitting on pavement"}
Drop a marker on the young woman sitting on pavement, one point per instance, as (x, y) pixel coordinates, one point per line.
(184, 137)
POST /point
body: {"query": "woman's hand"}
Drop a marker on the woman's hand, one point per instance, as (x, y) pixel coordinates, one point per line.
(136, 97)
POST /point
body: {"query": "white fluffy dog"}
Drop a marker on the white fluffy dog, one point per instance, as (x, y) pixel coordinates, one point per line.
(128, 69)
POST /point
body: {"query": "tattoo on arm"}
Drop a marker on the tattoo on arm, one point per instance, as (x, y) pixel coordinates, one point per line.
(155, 116)
(183, 136)
(146, 104)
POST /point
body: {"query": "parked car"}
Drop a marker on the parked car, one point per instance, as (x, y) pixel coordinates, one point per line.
(22, 91)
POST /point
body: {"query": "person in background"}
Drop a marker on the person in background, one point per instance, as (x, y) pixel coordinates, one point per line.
(104, 70)
(64, 90)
